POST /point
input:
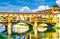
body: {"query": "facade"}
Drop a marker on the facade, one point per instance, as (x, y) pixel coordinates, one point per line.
(45, 15)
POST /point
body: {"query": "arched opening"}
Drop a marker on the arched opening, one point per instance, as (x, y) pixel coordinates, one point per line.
(21, 30)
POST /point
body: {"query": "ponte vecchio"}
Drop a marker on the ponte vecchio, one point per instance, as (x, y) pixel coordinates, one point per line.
(51, 16)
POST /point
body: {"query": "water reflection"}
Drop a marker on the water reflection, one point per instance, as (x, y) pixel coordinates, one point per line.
(18, 37)
(2, 28)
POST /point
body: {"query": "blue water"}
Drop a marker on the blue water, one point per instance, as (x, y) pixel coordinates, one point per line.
(2, 29)
(18, 37)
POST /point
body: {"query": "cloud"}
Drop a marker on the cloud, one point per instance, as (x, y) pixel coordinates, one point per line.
(12, 8)
(25, 9)
(40, 8)
(9, 8)
(58, 2)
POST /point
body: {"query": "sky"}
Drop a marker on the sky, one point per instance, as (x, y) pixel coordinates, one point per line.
(26, 5)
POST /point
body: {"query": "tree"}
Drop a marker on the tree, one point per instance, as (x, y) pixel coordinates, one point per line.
(55, 6)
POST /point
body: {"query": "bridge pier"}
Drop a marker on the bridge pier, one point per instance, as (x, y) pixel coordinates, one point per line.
(9, 28)
(9, 37)
(35, 30)
(9, 25)
(30, 36)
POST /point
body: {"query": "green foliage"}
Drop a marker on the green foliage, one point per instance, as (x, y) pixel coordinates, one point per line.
(55, 6)
(2, 36)
(56, 28)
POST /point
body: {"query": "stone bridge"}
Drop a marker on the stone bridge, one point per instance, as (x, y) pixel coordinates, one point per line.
(50, 17)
